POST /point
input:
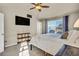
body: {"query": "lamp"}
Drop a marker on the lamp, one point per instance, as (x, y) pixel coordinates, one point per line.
(76, 25)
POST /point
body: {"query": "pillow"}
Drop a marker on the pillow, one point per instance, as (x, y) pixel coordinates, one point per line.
(70, 33)
(74, 36)
(65, 35)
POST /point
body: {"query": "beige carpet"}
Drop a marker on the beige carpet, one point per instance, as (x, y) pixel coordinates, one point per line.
(22, 49)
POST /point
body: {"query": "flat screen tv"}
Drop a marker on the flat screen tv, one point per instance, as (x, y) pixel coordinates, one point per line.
(22, 21)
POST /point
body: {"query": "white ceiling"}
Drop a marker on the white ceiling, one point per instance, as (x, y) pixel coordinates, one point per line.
(55, 9)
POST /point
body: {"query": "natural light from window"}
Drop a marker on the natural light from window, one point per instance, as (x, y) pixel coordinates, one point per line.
(24, 50)
(55, 26)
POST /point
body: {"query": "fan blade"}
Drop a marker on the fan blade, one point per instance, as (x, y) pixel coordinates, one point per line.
(32, 8)
(39, 3)
(45, 6)
(36, 3)
(33, 3)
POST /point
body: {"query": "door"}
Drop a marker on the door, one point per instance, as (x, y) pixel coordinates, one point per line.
(1, 32)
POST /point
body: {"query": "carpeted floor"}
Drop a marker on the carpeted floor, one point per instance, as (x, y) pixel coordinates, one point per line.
(22, 49)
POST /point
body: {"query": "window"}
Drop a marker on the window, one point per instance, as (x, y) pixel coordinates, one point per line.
(55, 26)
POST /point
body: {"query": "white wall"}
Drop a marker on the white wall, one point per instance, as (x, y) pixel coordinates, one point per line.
(11, 29)
(72, 18)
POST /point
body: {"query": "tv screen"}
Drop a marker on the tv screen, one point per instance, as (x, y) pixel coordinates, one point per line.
(22, 21)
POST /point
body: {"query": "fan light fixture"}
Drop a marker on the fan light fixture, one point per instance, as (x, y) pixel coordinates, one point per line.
(38, 6)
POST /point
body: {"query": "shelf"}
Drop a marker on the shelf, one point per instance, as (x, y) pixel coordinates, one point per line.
(23, 37)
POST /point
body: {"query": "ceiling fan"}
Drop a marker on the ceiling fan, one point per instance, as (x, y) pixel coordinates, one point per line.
(38, 6)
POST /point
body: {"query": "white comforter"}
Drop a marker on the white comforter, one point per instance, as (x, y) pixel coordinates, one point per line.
(47, 42)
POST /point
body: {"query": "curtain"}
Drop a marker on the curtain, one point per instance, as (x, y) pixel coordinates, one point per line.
(65, 21)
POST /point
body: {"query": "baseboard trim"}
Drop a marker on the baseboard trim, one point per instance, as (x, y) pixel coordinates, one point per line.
(11, 45)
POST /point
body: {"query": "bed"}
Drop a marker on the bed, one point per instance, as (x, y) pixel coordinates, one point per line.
(48, 43)
(52, 43)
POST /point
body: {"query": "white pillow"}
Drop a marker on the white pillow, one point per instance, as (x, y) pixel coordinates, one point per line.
(70, 33)
(74, 36)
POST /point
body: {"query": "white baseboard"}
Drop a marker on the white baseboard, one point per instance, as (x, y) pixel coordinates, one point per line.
(10, 44)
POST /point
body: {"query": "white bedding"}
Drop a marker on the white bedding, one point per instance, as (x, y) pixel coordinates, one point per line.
(51, 43)
(48, 43)
(48, 36)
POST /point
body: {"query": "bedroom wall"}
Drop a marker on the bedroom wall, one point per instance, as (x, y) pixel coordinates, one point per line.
(43, 26)
(11, 29)
(0, 9)
(72, 18)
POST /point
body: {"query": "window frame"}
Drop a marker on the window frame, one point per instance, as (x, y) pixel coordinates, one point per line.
(50, 19)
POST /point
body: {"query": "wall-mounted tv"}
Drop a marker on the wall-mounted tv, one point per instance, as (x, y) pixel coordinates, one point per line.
(22, 21)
